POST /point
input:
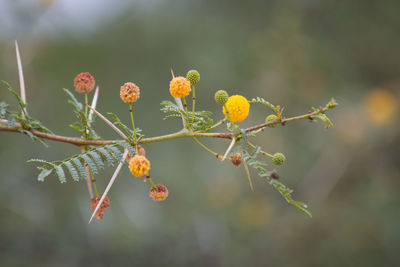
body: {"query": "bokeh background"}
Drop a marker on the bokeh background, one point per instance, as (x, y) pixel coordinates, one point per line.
(294, 53)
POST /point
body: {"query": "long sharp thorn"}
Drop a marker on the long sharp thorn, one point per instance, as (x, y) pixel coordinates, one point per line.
(118, 131)
(94, 104)
(21, 77)
(112, 180)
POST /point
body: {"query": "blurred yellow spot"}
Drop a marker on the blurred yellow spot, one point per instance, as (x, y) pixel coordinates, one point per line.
(380, 106)
(221, 192)
(254, 212)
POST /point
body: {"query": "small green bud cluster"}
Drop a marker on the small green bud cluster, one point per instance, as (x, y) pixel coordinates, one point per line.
(193, 76)
(278, 158)
(270, 118)
(221, 97)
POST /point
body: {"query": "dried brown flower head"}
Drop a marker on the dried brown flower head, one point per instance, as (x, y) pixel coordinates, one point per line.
(84, 82)
(103, 207)
(130, 92)
(237, 159)
(159, 193)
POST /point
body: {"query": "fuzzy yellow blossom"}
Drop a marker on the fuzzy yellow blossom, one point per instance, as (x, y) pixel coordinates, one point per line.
(238, 108)
(179, 87)
(139, 165)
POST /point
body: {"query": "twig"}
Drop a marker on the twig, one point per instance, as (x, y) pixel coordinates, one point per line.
(117, 170)
(21, 77)
(181, 134)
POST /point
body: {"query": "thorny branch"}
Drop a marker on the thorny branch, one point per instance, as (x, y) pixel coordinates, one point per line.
(181, 134)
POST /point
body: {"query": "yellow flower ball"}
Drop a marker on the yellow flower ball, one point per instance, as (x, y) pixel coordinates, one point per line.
(139, 165)
(238, 108)
(179, 87)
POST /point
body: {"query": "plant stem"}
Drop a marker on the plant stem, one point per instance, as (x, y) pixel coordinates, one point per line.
(187, 113)
(194, 102)
(94, 183)
(206, 148)
(86, 103)
(152, 183)
(133, 126)
(217, 124)
(262, 152)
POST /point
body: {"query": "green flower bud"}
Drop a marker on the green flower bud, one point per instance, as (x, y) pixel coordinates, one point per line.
(278, 159)
(221, 97)
(271, 117)
(193, 76)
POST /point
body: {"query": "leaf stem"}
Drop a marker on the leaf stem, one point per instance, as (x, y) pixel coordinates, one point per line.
(206, 148)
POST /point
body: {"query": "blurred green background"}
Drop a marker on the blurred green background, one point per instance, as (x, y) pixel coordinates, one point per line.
(294, 53)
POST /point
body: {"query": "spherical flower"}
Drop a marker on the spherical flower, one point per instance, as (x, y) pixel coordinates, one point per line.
(179, 87)
(278, 159)
(84, 82)
(238, 108)
(130, 92)
(103, 207)
(237, 159)
(139, 165)
(270, 118)
(159, 193)
(193, 76)
(220, 97)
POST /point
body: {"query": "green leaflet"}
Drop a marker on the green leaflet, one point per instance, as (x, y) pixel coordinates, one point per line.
(43, 174)
(81, 124)
(80, 167)
(128, 147)
(72, 100)
(200, 122)
(108, 158)
(115, 152)
(60, 173)
(90, 163)
(323, 118)
(28, 123)
(264, 173)
(72, 170)
(96, 158)
(262, 101)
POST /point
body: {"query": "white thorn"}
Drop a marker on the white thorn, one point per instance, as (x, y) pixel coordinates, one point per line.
(94, 104)
(21, 77)
(118, 131)
(117, 170)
